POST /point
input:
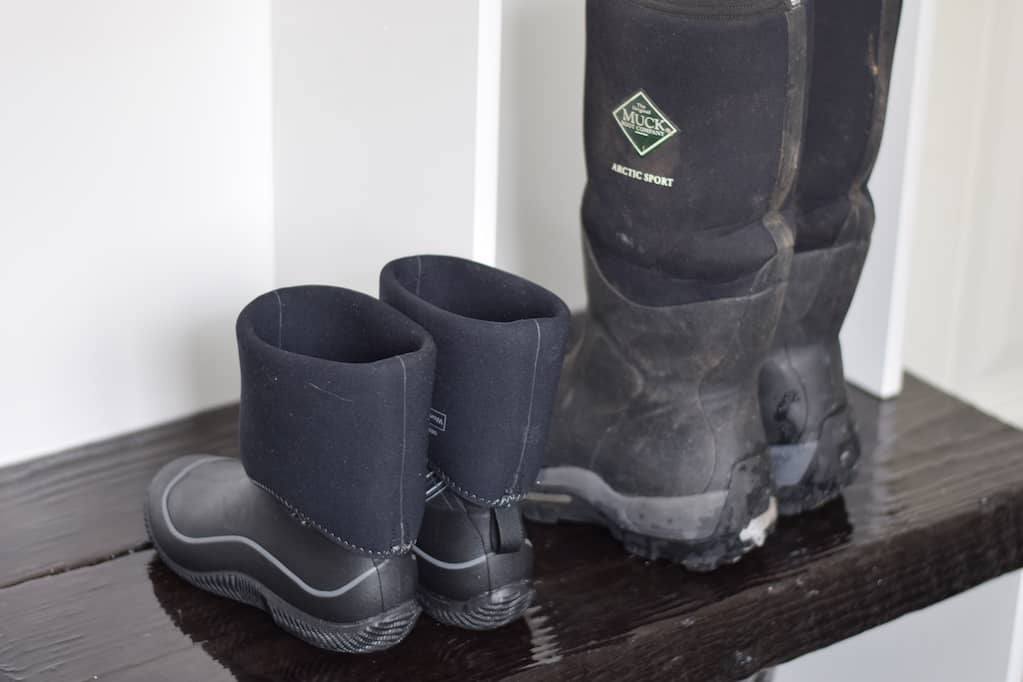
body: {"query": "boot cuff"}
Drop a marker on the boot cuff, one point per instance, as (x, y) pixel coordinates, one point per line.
(500, 344)
(335, 391)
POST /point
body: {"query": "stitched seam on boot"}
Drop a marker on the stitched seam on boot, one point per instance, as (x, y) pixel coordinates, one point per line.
(529, 414)
(499, 502)
(404, 442)
(280, 320)
(397, 549)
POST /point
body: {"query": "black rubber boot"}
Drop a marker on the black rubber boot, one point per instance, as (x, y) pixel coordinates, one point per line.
(316, 522)
(814, 446)
(693, 114)
(500, 345)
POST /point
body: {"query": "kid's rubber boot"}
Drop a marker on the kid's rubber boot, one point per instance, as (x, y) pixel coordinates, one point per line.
(693, 115)
(316, 523)
(814, 445)
(500, 345)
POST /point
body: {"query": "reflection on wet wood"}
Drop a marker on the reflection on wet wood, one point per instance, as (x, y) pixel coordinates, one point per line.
(938, 508)
(83, 506)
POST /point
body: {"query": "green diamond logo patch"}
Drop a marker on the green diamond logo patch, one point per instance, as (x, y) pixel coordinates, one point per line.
(643, 123)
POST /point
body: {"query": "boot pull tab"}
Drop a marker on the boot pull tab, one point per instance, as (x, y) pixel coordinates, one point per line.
(507, 530)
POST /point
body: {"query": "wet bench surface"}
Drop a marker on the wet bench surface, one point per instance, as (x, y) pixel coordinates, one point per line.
(937, 509)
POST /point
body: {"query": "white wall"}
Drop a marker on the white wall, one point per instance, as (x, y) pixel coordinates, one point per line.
(151, 184)
(965, 313)
(542, 169)
(374, 135)
(135, 210)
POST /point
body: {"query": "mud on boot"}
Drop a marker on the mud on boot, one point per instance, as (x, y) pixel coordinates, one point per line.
(693, 116)
(814, 446)
(315, 523)
(500, 345)
(663, 447)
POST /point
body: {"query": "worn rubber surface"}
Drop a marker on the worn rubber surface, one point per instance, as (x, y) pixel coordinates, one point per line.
(487, 611)
(366, 636)
(474, 562)
(712, 530)
(693, 113)
(222, 533)
(810, 474)
(813, 444)
(802, 390)
(815, 490)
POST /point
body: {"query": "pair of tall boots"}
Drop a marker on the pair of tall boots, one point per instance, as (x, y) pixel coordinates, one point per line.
(343, 517)
(726, 221)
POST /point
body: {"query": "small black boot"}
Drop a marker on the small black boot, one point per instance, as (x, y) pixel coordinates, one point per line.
(814, 445)
(500, 345)
(316, 522)
(693, 114)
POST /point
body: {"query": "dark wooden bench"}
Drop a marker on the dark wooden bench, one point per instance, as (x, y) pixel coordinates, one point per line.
(937, 509)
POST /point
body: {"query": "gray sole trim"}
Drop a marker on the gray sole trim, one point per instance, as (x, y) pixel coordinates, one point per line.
(812, 490)
(789, 463)
(733, 530)
(687, 518)
(239, 539)
(447, 565)
(366, 636)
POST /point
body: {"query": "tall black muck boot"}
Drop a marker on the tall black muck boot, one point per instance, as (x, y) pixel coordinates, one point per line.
(693, 115)
(316, 523)
(814, 446)
(500, 346)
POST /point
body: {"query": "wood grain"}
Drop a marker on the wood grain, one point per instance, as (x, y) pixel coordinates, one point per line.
(84, 506)
(937, 509)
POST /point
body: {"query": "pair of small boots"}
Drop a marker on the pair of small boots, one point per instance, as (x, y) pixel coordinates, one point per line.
(385, 448)
(726, 221)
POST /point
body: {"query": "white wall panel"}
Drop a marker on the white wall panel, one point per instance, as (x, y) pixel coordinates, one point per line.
(135, 210)
(542, 170)
(374, 135)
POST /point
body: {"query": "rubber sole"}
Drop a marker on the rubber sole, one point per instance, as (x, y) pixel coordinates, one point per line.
(815, 490)
(366, 636)
(809, 475)
(551, 505)
(487, 611)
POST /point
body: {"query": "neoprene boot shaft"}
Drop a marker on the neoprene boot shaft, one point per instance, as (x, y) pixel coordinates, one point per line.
(335, 388)
(689, 210)
(500, 345)
(316, 522)
(693, 115)
(803, 395)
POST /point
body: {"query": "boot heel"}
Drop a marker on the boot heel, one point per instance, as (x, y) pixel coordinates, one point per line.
(700, 531)
(552, 506)
(808, 475)
(705, 555)
(486, 611)
(500, 346)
